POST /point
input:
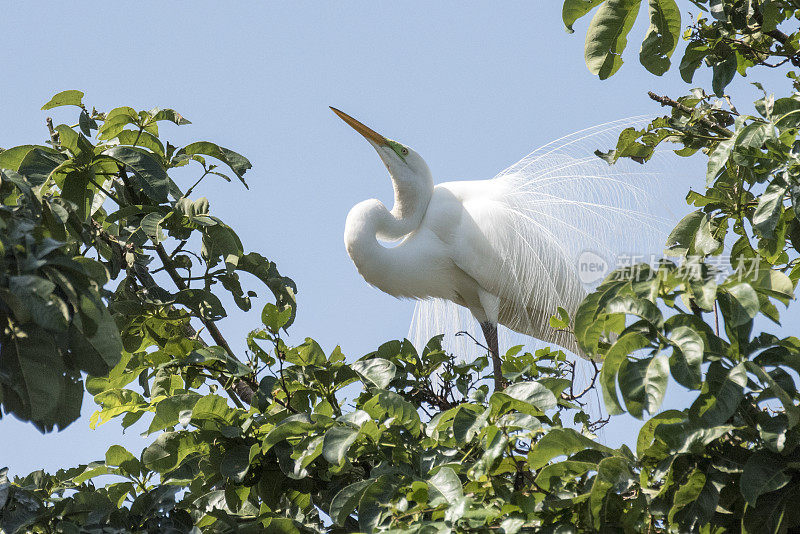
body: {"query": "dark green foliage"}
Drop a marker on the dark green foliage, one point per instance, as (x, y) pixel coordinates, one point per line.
(80, 219)
(291, 439)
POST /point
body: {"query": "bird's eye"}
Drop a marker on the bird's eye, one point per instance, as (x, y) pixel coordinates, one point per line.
(404, 150)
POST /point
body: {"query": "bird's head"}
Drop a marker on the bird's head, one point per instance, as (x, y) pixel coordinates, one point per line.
(403, 163)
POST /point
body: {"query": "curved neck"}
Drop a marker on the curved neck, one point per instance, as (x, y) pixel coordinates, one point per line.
(411, 197)
(364, 223)
(369, 221)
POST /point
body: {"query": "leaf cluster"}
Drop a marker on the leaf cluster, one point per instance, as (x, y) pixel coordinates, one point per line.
(98, 243)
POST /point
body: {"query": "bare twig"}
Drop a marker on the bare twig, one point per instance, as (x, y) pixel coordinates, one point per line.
(592, 382)
(54, 138)
(465, 333)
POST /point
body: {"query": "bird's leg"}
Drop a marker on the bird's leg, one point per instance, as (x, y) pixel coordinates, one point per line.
(490, 334)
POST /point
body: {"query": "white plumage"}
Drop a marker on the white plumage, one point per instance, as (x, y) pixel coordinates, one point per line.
(507, 248)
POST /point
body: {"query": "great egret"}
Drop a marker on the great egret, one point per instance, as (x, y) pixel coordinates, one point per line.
(506, 248)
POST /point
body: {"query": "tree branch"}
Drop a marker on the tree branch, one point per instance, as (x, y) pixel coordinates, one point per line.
(705, 121)
(53, 134)
(240, 387)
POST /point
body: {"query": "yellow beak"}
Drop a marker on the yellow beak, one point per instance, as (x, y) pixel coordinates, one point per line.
(369, 133)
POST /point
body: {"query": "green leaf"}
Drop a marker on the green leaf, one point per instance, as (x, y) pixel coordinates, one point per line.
(662, 36)
(561, 442)
(346, 501)
(466, 423)
(68, 138)
(374, 503)
(213, 408)
(77, 190)
(376, 371)
(741, 307)
(92, 470)
(770, 208)
(572, 10)
(36, 382)
(648, 431)
(169, 411)
(720, 155)
(531, 393)
(681, 239)
(337, 442)
(117, 455)
(723, 72)
(792, 411)
(12, 158)
(35, 294)
(297, 425)
(151, 226)
(116, 120)
(606, 37)
(203, 302)
(643, 383)
(221, 242)
(642, 308)
(444, 487)
(494, 442)
(86, 123)
(206, 355)
(282, 288)
(394, 406)
(687, 356)
(786, 113)
(142, 139)
(152, 177)
(763, 473)
(273, 318)
(169, 115)
(688, 492)
(693, 57)
(560, 320)
(614, 475)
(705, 242)
(238, 163)
(775, 284)
(235, 463)
(170, 449)
(98, 351)
(71, 97)
(309, 353)
(754, 135)
(561, 472)
(723, 401)
(618, 353)
(39, 163)
(775, 511)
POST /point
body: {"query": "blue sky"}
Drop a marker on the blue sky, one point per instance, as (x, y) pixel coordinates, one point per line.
(471, 86)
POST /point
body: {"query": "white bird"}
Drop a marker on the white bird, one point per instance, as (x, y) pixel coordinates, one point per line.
(506, 248)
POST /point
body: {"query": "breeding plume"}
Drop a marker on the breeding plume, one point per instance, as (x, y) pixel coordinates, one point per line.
(507, 248)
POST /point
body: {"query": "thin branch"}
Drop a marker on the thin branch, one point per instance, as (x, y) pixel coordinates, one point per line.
(54, 137)
(592, 382)
(281, 356)
(108, 193)
(188, 191)
(169, 266)
(465, 333)
(240, 387)
(711, 125)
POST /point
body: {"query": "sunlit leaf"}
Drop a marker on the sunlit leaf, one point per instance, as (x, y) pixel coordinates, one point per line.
(70, 97)
(606, 37)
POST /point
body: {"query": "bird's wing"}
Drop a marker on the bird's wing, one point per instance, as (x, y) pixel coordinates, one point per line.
(546, 216)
